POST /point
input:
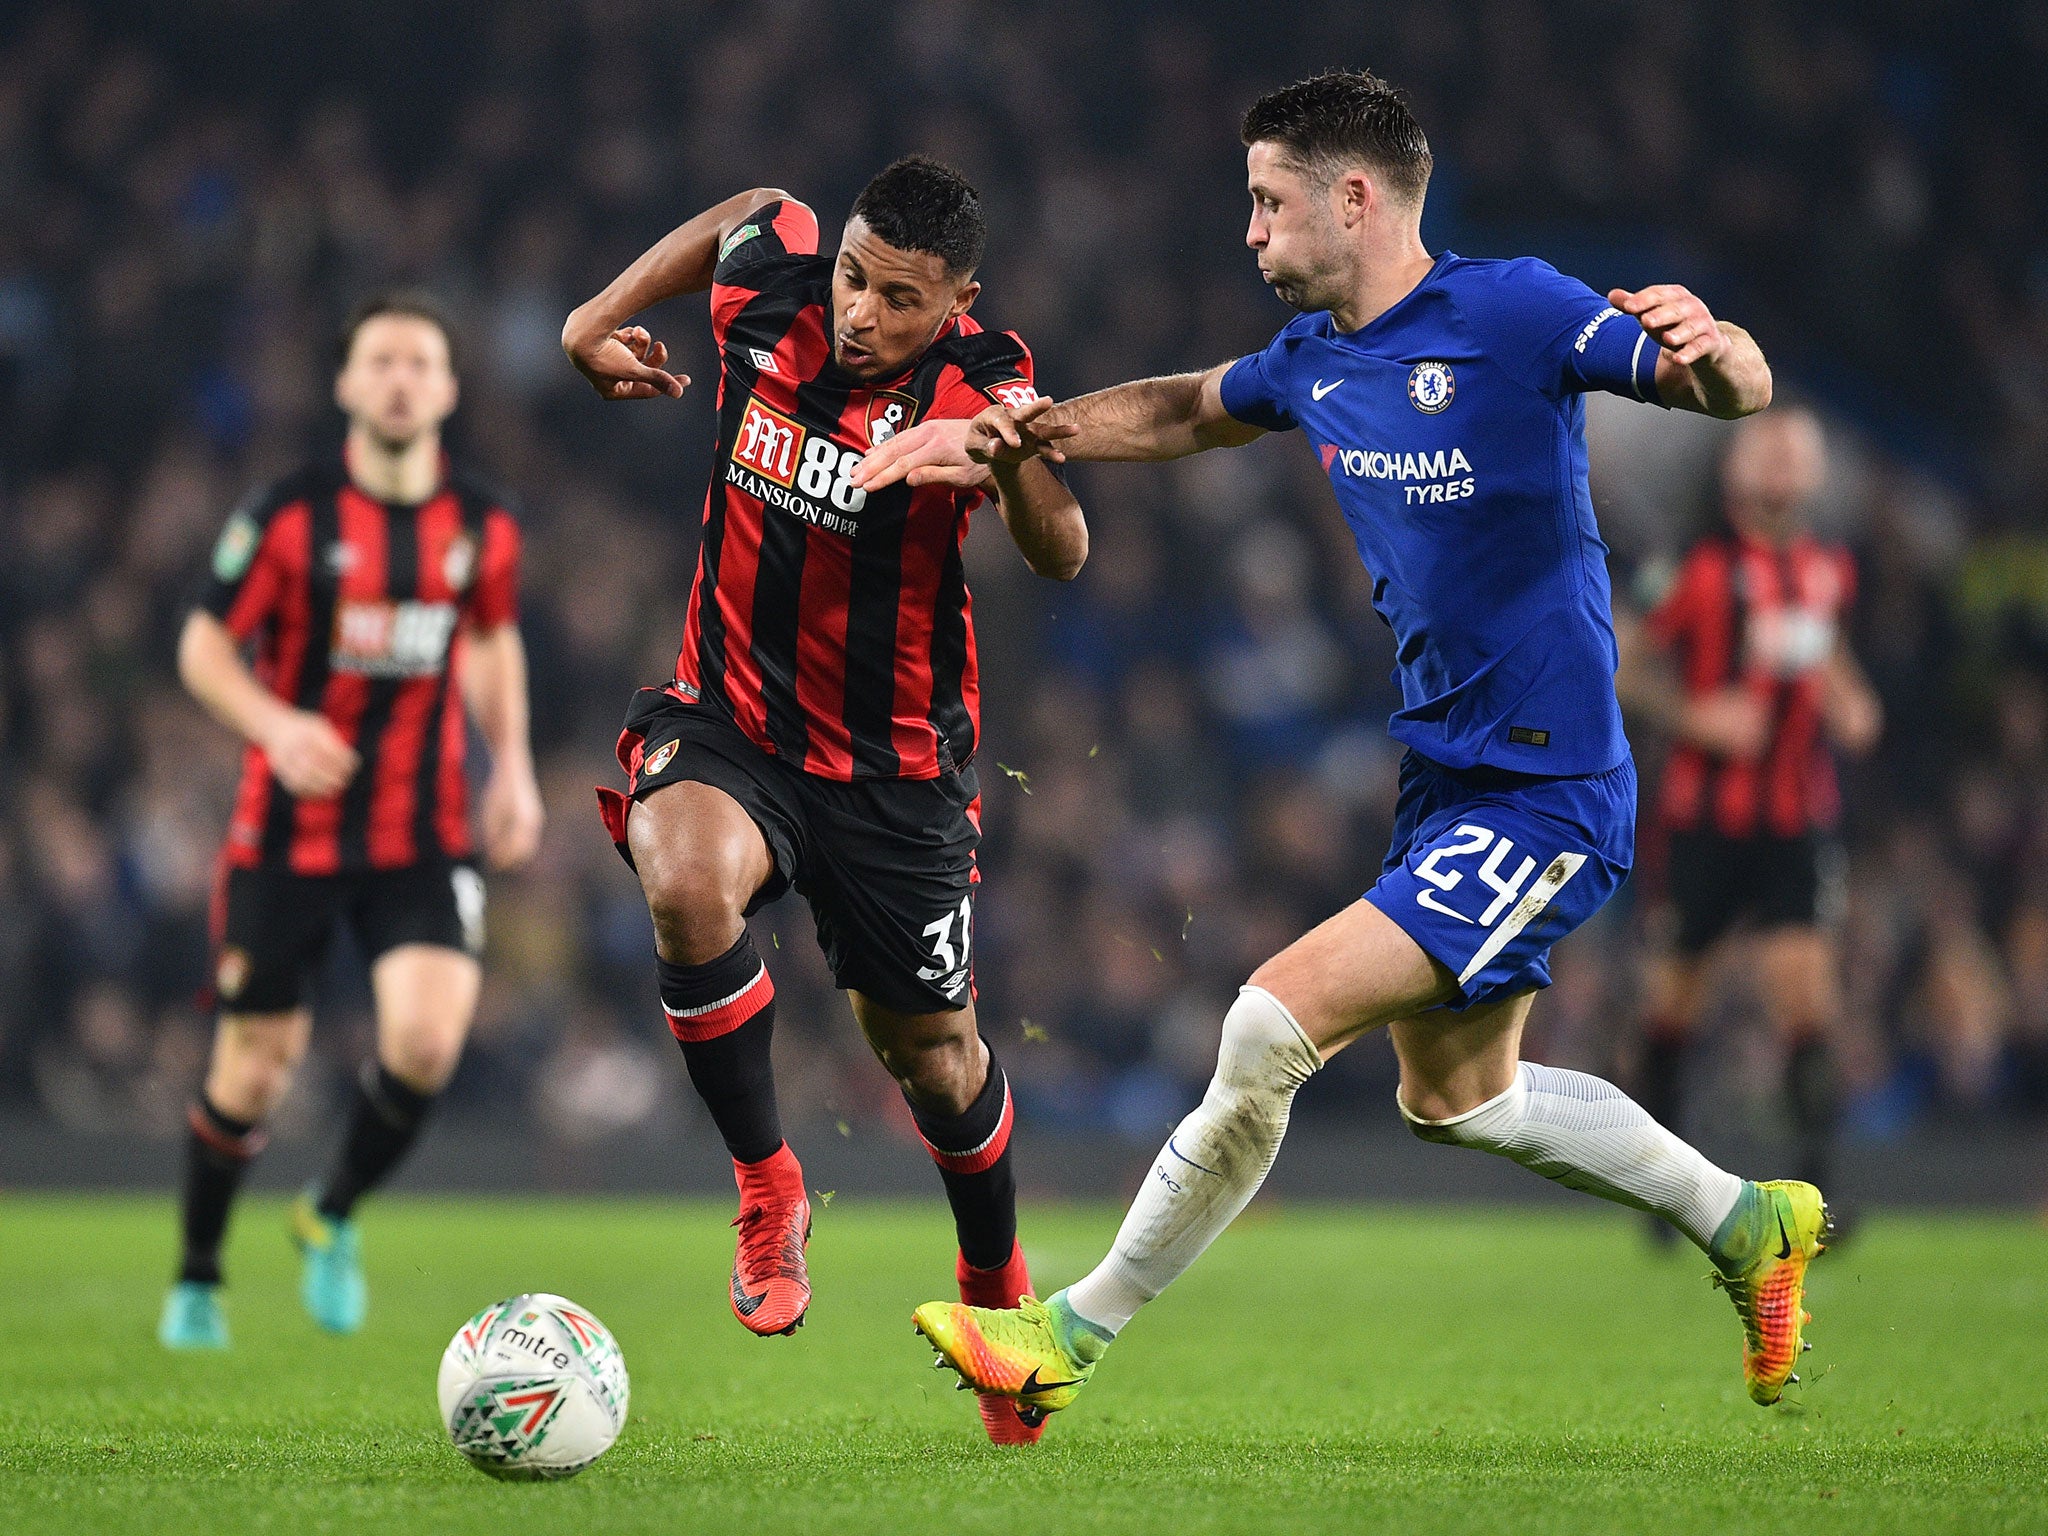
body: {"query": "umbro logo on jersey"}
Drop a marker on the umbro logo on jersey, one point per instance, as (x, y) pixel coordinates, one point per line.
(1320, 389)
(765, 361)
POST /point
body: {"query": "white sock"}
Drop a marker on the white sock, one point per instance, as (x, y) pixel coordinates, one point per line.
(1211, 1165)
(1588, 1135)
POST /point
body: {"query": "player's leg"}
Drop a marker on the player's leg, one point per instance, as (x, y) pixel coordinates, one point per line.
(421, 929)
(1796, 972)
(1349, 974)
(702, 861)
(254, 1058)
(1708, 881)
(1463, 1083)
(1801, 892)
(959, 1098)
(270, 930)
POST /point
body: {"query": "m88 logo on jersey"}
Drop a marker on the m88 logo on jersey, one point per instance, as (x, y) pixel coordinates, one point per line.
(768, 443)
(805, 472)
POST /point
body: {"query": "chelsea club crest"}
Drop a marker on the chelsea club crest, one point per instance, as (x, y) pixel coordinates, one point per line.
(1431, 386)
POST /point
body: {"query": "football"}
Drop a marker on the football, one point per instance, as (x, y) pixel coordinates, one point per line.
(533, 1387)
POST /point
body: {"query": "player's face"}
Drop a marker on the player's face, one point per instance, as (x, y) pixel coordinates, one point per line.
(889, 305)
(1776, 464)
(1302, 254)
(398, 381)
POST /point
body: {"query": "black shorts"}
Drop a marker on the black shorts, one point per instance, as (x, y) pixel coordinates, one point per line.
(273, 927)
(1774, 882)
(887, 865)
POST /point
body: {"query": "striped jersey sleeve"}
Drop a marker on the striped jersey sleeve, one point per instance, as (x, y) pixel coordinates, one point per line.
(756, 254)
(255, 557)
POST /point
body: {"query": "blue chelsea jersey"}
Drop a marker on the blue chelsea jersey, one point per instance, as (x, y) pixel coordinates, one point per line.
(1453, 431)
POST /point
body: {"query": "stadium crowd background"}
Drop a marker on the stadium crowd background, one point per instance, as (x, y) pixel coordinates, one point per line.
(1185, 761)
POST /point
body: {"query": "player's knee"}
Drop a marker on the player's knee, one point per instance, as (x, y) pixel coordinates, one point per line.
(423, 1058)
(1264, 1052)
(1454, 1116)
(940, 1075)
(697, 893)
(253, 1065)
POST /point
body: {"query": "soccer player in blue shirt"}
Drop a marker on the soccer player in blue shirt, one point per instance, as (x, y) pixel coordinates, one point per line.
(1444, 397)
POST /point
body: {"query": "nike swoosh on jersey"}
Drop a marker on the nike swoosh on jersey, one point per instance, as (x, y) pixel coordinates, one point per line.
(1320, 389)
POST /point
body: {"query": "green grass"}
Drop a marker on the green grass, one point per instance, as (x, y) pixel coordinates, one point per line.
(1342, 1369)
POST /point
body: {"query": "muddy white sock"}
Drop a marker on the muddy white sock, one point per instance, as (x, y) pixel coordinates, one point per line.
(1211, 1165)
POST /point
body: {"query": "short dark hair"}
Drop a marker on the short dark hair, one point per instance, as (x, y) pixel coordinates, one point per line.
(1339, 118)
(918, 204)
(413, 303)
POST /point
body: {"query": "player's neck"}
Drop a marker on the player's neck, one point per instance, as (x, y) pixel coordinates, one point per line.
(407, 474)
(1385, 278)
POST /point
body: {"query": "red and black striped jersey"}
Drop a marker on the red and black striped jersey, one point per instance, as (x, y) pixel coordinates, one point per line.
(832, 625)
(357, 608)
(1764, 617)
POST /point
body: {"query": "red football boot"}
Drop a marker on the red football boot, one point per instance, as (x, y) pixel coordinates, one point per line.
(771, 1289)
(1005, 1420)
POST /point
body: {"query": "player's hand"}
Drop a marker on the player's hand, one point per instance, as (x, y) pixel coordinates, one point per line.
(1729, 722)
(931, 453)
(1677, 320)
(513, 817)
(957, 453)
(625, 364)
(308, 755)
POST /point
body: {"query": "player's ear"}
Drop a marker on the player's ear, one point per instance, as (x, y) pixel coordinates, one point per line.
(1355, 195)
(964, 299)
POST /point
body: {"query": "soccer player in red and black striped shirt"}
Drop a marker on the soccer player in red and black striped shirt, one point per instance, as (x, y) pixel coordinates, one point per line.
(1759, 691)
(379, 590)
(820, 728)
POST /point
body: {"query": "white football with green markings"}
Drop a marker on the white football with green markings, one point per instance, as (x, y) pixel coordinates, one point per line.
(533, 1387)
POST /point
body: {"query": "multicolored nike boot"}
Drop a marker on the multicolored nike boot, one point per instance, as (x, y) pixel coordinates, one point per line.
(331, 1286)
(192, 1318)
(1001, 1290)
(771, 1287)
(1775, 1231)
(1032, 1353)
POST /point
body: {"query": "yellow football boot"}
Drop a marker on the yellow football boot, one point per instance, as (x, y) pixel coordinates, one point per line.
(1016, 1352)
(1769, 1290)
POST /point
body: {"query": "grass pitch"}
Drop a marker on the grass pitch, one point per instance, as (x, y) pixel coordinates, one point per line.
(1322, 1369)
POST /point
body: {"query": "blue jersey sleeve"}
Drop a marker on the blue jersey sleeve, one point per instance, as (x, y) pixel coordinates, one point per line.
(1558, 335)
(1254, 388)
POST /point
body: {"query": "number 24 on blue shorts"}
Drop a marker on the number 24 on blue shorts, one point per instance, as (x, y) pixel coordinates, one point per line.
(1489, 869)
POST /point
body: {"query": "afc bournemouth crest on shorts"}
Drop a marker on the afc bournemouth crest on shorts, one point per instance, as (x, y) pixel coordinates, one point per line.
(889, 413)
(231, 973)
(1431, 386)
(659, 759)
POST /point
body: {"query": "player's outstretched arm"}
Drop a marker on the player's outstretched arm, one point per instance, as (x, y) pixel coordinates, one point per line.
(624, 362)
(1043, 517)
(1147, 419)
(305, 751)
(1703, 364)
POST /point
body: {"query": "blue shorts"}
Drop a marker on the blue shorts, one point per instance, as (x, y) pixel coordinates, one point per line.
(1488, 869)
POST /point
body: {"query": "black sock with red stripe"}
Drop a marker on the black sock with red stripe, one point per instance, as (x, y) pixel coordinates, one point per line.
(972, 1150)
(217, 1154)
(384, 1120)
(722, 1014)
